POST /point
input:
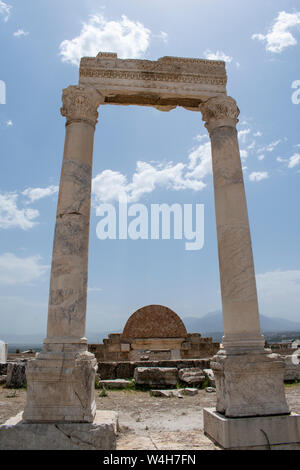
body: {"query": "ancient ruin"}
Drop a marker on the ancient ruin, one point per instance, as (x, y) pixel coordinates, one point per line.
(3, 352)
(154, 333)
(249, 379)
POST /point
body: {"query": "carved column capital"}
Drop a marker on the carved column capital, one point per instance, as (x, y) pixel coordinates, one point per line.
(80, 104)
(219, 111)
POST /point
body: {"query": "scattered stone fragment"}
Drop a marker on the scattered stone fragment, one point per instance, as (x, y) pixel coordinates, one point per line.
(192, 376)
(210, 389)
(167, 393)
(189, 391)
(115, 383)
(154, 376)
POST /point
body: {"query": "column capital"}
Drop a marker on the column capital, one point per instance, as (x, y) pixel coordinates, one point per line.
(80, 104)
(219, 111)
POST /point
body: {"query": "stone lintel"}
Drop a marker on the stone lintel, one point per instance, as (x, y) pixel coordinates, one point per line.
(164, 84)
(280, 432)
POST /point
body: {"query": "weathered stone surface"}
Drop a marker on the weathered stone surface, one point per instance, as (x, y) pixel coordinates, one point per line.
(209, 374)
(156, 376)
(3, 368)
(107, 370)
(192, 376)
(189, 391)
(154, 321)
(291, 371)
(99, 435)
(164, 84)
(16, 375)
(249, 384)
(3, 379)
(61, 387)
(116, 383)
(167, 393)
(264, 433)
(125, 370)
(210, 389)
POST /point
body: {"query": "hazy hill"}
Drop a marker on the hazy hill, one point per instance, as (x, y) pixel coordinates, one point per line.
(213, 322)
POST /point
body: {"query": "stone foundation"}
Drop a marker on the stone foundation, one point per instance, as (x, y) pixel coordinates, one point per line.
(256, 433)
(16, 434)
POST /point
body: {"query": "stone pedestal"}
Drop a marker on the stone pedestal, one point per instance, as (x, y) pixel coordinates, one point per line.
(60, 386)
(16, 434)
(279, 432)
(249, 384)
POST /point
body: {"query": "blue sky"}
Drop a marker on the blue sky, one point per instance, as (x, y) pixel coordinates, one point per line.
(40, 44)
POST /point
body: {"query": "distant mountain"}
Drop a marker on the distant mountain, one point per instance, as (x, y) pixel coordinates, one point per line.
(213, 322)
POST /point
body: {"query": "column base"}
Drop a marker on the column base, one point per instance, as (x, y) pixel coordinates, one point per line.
(256, 433)
(16, 434)
(249, 384)
(61, 384)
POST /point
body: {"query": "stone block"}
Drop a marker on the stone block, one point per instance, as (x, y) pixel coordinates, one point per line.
(116, 383)
(15, 434)
(280, 432)
(155, 376)
(193, 376)
(3, 379)
(16, 375)
(107, 370)
(167, 393)
(3, 369)
(125, 370)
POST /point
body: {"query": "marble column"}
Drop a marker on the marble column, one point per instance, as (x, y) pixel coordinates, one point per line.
(249, 378)
(61, 378)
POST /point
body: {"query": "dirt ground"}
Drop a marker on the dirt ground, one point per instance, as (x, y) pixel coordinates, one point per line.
(148, 422)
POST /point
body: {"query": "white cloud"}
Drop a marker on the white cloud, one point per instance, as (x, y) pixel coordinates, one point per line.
(9, 123)
(281, 160)
(244, 154)
(11, 216)
(34, 194)
(258, 134)
(5, 10)
(218, 55)
(279, 293)
(270, 147)
(20, 32)
(243, 133)
(111, 185)
(261, 157)
(279, 36)
(258, 175)
(294, 160)
(15, 270)
(163, 36)
(95, 289)
(128, 38)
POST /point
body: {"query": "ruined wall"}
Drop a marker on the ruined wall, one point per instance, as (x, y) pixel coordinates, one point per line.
(116, 348)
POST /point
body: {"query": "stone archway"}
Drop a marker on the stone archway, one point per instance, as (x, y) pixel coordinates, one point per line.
(61, 378)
